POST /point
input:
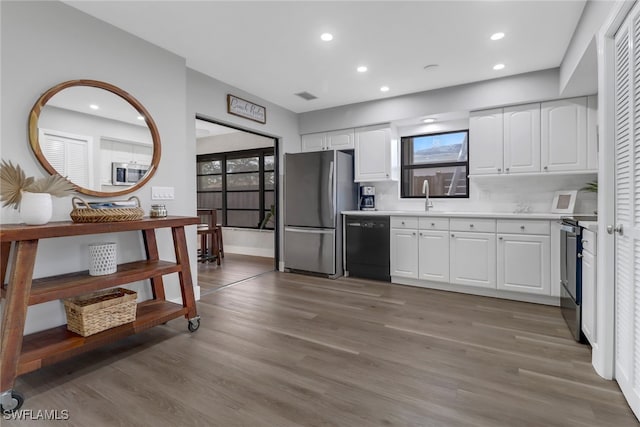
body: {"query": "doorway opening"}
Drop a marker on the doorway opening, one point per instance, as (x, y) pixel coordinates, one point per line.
(237, 199)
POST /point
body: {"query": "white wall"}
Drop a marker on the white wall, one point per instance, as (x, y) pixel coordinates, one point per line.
(519, 89)
(231, 142)
(579, 68)
(45, 43)
(207, 97)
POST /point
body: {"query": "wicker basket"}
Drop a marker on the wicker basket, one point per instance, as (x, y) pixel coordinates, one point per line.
(98, 311)
(83, 212)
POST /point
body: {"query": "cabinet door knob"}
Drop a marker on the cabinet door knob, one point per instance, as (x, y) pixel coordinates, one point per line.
(579, 255)
(507, 169)
(522, 227)
(546, 167)
(499, 169)
(584, 241)
(421, 234)
(453, 235)
(433, 224)
(402, 222)
(413, 234)
(500, 238)
(471, 225)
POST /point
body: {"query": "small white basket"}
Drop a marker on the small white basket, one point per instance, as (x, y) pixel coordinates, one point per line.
(102, 259)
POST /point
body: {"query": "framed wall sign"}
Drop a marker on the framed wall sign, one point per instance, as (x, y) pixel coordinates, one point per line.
(564, 201)
(243, 108)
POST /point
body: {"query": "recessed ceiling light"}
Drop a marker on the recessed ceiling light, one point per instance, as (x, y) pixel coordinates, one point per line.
(140, 117)
(327, 37)
(362, 69)
(498, 67)
(384, 89)
(429, 120)
(497, 36)
(94, 107)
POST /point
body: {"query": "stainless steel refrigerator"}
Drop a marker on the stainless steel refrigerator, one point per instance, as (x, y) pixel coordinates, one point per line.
(318, 186)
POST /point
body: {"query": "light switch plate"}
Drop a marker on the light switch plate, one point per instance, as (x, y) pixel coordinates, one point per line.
(162, 193)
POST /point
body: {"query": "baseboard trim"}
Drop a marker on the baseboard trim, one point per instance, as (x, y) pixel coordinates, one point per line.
(495, 293)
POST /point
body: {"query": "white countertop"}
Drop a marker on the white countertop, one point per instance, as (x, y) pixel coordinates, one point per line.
(502, 215)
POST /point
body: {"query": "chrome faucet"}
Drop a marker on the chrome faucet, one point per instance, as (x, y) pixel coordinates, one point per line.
(425, 190)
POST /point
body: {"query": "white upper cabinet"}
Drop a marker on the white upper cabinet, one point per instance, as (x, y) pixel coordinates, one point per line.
(564, 135)
(340, 140)
(555, 136)
(375, 155)
(313, 142)
(335, 140)
(522, 138)
(485, 142)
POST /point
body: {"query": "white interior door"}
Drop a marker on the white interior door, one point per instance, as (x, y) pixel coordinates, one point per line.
(627, 209)
(70, 155)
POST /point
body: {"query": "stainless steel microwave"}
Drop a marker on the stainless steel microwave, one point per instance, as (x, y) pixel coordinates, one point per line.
(127, 173)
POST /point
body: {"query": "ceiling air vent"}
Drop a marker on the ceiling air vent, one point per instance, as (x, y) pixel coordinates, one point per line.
(306, 96)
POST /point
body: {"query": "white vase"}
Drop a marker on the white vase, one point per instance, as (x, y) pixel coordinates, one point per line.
(35, 208)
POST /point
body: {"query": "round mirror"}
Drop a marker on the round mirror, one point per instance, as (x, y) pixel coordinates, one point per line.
(95, 134)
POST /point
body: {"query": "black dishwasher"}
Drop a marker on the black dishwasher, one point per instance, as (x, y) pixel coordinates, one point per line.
(368, 247)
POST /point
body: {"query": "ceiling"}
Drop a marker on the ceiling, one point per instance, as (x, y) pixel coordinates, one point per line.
(273, 49)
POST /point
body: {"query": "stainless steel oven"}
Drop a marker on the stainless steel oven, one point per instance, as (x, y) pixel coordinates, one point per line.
(571, 274)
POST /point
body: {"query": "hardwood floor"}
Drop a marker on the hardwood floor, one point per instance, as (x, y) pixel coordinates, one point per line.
(234, 268)
(290, 350)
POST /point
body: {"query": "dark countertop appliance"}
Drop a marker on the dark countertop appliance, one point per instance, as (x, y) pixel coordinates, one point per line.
(368, 243)
(367, 201)
(571, 273)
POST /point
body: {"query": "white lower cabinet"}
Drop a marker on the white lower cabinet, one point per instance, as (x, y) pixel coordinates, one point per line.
(433, 250)
(589, 274)
(473, 259)
(404, 253)
(508, 258)
(524, 263)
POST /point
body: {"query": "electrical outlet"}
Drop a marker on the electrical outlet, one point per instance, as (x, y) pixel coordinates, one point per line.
(162, 193)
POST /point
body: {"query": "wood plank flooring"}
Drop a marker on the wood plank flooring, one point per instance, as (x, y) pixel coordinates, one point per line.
(233, 268)
(284, 349)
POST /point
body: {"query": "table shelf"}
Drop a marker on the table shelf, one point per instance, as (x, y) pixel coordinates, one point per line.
(52, 345)
(72, 284)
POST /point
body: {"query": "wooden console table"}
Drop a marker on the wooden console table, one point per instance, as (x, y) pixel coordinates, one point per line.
(21, 354)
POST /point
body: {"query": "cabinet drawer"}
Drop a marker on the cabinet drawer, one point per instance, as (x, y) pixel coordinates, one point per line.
(517, 226)
(404, 222)
(433, 224)
(589, 242)
(473, 224)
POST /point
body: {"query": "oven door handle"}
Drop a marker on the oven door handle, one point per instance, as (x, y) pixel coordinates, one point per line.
(569, 228)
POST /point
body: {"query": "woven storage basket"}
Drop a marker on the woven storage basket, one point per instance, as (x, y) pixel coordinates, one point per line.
(98, 311)
(82, 212)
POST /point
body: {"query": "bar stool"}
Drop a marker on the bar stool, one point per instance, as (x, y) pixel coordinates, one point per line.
(211, 245)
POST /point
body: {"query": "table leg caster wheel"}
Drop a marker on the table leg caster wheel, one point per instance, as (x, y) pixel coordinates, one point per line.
(11, 401)
(194, 324)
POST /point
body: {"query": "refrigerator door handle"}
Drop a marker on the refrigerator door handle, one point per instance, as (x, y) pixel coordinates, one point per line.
(330, 193)
(310, 230)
